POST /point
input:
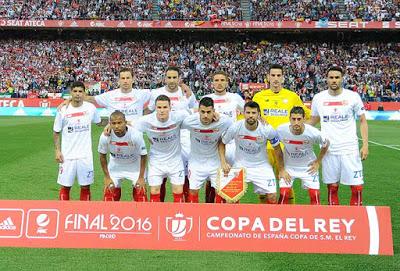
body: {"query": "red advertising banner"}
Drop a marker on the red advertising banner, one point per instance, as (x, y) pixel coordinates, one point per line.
(29, 102)
(276, 25)
(169, 226)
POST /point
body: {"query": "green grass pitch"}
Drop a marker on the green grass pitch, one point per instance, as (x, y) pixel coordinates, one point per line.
(28, 171)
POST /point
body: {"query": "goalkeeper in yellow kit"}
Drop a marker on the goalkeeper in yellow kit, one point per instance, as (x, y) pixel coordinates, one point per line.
(275, 105)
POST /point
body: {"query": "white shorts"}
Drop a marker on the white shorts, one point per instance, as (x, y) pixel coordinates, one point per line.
(230, 152)
(198, 174)
(157, 171)
(263, 179)
(119, 173)
(346, 169)
(308, 181)
(185, 149)
(82, 169)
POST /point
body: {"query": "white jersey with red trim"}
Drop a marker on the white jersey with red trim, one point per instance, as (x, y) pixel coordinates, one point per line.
(230, 104)
(123, 150)
(75, 124)
(338, 119)
(164, 137)
(298, 151)
(178, 100)
(131, 104)
(204, 138)
(251, 145)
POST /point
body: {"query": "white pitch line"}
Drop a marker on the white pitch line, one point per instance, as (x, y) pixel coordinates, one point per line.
(383, 145)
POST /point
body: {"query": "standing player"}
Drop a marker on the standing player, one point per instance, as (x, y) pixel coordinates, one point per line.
(275, 104)
(75, 152)
(229, 104)
(181, 98)
(207, 152)
(300, 160)
(163, 130)
(128, 157)
(336, 109)
(251, 137)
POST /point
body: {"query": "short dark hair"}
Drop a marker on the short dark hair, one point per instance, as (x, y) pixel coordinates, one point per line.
(298, 110)
(222, 73)
(275, 66)
(173, 68)
(163, 98)
(206, 101)
(117, 114)
(126, 70)
(252, 104)
(335, 68)
(78, 84)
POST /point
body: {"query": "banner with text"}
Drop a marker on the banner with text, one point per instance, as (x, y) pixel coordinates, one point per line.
(216, 24)
(169, 226)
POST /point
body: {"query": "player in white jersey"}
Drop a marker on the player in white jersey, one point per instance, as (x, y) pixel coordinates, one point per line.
(74, 154)
(132, 102)
(165, 160)
(207, 152)
(299, 157)
(229, 104)
(251, 137)
(337, 109)
(181, 98)
(128, 157)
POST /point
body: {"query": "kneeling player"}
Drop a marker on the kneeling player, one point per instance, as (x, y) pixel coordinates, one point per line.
(165, 160)
(75, 152)
(300, 160)
(128, 157)
(251, 137)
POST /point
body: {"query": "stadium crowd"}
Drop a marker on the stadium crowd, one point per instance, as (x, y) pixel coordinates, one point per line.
(50, 66)
(264, 10)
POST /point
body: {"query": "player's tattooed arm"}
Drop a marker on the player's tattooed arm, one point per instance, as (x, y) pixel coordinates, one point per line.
(57, 148)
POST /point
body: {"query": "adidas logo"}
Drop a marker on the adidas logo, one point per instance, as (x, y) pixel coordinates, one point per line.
(7, 224)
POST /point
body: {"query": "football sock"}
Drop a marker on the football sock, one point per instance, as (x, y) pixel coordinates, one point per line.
(284, 195)
(333, 198)
(193, 198)
(185, 190)
(139, 195)
(356, 195)
(154, 197)
(219, 199)
(314, 196)
(178, 197)
(64, 193)
(85, 194)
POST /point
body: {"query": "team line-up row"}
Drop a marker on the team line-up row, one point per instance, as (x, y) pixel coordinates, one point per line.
(272, 137)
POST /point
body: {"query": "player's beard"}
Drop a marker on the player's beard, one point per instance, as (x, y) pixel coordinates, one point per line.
(251, 121)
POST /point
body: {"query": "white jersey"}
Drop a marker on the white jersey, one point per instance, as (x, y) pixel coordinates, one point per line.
(338, 119)
(230, 104)
(251, 145)
(75, 124)
(164, 137)
(298, 151)
(131, 104)
(125, 150)
(178, 99)
(204, 138)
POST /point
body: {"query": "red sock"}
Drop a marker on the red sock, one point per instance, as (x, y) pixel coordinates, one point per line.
(314, 196)
(163, 190)
(210, 193)
(108, 195)
(85, 194)
(270, 201)
(333, 198)
(185, 190)
(193, 198)
(356, 195)
(284, 195)
(154, 197)
(178, 197)
(219, 199)
(139, 195)
(117, 193)
(64, 193)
